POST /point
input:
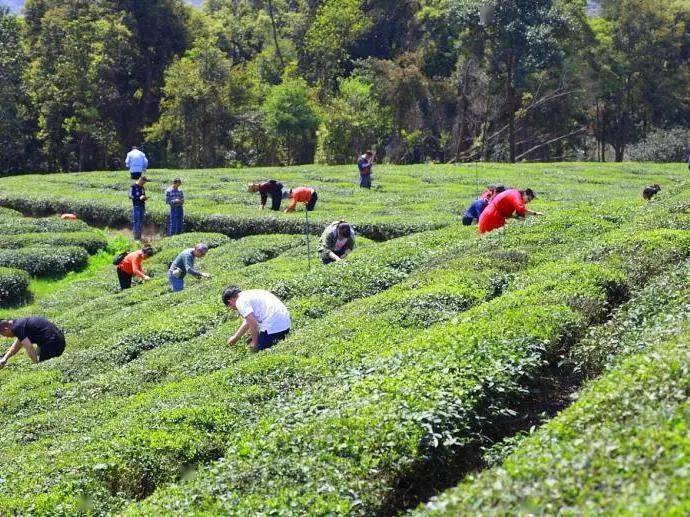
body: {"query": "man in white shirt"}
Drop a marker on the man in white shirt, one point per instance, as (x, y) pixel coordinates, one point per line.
(265, 317)
(137, 163)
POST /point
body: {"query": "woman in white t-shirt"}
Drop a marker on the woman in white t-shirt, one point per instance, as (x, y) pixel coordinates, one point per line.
(265, 317)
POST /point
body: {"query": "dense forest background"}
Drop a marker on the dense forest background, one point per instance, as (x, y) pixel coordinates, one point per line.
(258, 82)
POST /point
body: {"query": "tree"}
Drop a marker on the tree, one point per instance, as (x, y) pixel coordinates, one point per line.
(513, 39)
(640, 69)
(197, 114)
(291, 120)
(353, 121)
(16, 130)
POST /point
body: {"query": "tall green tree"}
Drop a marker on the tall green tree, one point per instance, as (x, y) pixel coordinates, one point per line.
(640, 69)
(292, 120)
(197, 114)
(16, 130)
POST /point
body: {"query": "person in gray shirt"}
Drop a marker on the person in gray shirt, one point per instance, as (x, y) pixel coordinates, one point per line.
(183, 265)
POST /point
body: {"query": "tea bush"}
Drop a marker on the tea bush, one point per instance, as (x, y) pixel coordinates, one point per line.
(92, 242)
(44, 260)
(13, 286)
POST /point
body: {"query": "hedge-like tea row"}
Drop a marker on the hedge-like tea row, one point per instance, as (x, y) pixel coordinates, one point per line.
(405, 200)
(14, 286)
(92, 242)
(45, 260)
(13, 226)
(622, 447)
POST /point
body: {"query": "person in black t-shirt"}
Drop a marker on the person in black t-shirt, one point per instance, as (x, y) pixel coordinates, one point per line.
(49, 340)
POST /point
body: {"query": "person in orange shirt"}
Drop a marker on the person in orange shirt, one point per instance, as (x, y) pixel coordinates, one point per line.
(301, 195)
(130, 266)
(68, 217)
(511, 203)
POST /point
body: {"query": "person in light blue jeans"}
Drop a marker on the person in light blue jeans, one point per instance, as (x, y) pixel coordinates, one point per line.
(183, 265)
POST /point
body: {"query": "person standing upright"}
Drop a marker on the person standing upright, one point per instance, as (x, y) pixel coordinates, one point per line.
(137, 163)
(137, 193)
(365, 165)
(174, 197)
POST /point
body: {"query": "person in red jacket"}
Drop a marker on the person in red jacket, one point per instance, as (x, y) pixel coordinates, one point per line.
(302, 195)
(511, 203)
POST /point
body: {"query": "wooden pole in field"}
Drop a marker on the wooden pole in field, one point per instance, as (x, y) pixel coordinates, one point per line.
(306, 234)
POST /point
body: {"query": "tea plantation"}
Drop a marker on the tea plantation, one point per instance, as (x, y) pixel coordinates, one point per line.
(432, 357)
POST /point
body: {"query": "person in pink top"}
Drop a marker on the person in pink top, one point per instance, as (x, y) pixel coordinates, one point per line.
(511, 203)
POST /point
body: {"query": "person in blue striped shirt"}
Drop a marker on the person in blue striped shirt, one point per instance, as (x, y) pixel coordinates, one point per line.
(174, 197)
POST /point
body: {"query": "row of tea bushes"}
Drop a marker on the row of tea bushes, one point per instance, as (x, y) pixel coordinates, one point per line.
(623, 446)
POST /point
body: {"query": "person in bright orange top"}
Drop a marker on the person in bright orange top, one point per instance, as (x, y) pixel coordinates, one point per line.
(68, 217)
(511, 203)
(301, 195)
(130, 266)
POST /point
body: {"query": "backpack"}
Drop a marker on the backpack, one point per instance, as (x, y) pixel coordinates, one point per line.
(119, 258)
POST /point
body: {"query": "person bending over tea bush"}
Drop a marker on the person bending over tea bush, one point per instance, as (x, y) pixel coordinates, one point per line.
(649, 192)
(337, 242)
(265, 317)
(129, 265)
(27, 332)
(475, 210)
(271, 188)
(301, 195)
(508, 204)
(183, 265)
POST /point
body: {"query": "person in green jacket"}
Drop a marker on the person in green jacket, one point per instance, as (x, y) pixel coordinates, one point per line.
(337, 242)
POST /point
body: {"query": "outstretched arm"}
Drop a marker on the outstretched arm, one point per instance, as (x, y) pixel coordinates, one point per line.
(238, 335)
(11, 351)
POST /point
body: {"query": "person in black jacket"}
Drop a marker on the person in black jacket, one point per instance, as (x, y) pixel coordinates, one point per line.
(137, 193)
(27, 332)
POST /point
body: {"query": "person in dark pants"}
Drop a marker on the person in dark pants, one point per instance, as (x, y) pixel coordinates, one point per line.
(130, 266)
(649, 192)
(337, 242)
(266, 189)
(265, 317)
(137, 193)
(365, 164)
(475, 210)
(27, 332)
(174, 197)
(304, 195)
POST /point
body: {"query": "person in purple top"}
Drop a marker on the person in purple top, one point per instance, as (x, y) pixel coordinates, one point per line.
(27, 332)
